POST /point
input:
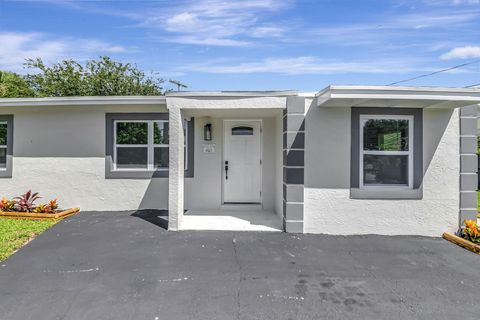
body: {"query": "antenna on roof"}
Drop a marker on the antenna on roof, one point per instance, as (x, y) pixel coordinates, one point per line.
(178, 84)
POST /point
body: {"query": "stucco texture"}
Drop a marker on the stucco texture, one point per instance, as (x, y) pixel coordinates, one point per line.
(60, 152)
(329, 208)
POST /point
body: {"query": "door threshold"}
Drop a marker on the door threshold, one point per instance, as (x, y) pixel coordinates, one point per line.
(241, 206)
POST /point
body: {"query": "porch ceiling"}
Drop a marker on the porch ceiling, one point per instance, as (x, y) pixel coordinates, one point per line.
(390, 97)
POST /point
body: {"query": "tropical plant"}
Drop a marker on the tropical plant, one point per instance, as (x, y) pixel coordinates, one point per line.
(471, 231)
(25, 202)
(7, 205)
(46, 208)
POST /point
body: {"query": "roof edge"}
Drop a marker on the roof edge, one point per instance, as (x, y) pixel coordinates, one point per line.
(233, 94)
(81, 100)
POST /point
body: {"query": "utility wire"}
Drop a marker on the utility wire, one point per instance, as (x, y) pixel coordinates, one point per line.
(473, 85)
(436, 72)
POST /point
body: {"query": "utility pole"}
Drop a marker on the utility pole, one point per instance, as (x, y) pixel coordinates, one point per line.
(178, 84)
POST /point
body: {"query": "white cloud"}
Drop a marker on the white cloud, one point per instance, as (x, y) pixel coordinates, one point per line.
(303, 65)
(15, 47)
(217, 22)
(466, 52)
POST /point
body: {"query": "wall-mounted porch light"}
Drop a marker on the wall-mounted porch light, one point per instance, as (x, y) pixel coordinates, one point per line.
(207, 132)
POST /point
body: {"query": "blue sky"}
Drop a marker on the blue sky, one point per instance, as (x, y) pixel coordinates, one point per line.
(254, 44)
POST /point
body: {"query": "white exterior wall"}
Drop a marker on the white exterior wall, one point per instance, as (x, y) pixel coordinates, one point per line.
(328, 206)
(60, 152)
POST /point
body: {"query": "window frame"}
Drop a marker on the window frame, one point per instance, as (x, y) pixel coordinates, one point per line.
(366, 117)
(5, 146)
(7, 171)
(111, 170)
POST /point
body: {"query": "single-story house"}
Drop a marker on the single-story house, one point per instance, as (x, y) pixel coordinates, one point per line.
(345, 160)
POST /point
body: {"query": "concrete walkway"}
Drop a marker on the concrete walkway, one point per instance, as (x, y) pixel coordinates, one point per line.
(119, 266)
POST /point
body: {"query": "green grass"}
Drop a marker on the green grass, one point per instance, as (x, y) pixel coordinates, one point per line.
(14, 233)
(478, 201)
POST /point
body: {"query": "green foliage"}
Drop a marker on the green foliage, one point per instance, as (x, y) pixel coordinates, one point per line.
(132, 133)
(3, 134)
(14, 233)
(103, 77)
(13, 85)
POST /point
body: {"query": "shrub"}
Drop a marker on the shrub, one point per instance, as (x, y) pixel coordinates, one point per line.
(7, 205)
(26, 203)
(471, 231)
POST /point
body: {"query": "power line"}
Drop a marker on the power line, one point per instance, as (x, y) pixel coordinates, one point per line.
(473, 85)
(435, 72)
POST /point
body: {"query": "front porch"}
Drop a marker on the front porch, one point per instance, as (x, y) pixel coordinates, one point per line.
(232, 219)
(237, 181)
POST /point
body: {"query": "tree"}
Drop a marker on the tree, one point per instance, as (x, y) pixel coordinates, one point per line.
(13, 85)
(102, 77)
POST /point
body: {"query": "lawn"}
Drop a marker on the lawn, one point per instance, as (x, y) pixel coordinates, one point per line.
(14, 233)
(478, 202)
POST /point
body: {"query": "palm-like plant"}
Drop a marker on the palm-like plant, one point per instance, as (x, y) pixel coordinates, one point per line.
(25, 202)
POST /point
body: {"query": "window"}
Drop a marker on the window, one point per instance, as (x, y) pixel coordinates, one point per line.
(242, 131)
(137, 145)
(386, 151)
(6, 145)
(3, 145)
(143, 145)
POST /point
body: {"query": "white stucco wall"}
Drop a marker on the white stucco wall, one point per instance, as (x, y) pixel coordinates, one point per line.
(328, 206)
(60, 152)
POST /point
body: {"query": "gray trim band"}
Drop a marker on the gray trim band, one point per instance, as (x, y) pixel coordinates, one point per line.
(417, 136)
(110, 174)
(9, 169)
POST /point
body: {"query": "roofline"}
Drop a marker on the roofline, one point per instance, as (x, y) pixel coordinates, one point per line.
(81, 101)
(437, 95)
(403, 89)
(233, 94)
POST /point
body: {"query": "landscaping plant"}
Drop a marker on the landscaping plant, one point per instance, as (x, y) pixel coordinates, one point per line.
(26, 203)
(471, 231)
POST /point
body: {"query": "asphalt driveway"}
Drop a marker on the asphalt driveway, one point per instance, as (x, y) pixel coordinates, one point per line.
(118, 266)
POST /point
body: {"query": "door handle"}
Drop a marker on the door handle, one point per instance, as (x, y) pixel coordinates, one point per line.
(226, 169)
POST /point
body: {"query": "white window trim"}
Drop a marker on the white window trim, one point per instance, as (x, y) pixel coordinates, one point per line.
(4, 146)
(150, 146)
(363, 119)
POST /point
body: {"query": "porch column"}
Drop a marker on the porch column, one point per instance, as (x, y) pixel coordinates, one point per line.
(293, 164)
(468, 163)
(176, 169)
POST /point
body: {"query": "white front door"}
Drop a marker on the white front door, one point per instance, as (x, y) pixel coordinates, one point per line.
(242, 168)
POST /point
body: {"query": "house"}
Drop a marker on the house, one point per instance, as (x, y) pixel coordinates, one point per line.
(345, 160)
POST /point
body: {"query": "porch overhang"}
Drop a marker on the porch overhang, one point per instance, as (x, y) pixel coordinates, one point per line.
(397, 97)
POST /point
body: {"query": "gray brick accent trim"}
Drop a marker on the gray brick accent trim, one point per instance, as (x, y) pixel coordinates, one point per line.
(293, 164)
(468, 163)
(293, 226)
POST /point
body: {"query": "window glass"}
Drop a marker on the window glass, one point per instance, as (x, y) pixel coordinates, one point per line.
(242, 131)
(3, 158)
(160, 158)
(3, 133)
(385, 135)
(132, 158)
(160, 132)
(132, 133)
(385, 169)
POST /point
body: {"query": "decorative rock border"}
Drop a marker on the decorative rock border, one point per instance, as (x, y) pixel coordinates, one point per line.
(40, 216)
(461, 242)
